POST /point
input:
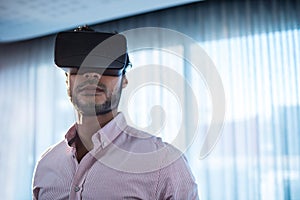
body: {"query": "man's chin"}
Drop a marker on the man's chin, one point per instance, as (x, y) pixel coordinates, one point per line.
(92, 99)
(95, 113)
(92, 109)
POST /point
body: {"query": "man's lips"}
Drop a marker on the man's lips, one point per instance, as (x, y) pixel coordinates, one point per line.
(91, 90)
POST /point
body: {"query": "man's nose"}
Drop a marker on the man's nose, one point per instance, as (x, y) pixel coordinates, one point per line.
(91, 75)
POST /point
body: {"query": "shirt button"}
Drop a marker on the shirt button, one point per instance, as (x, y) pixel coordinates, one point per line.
(76, 188)
(103, 144)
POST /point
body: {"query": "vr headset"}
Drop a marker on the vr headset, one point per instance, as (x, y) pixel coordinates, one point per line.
(87, 51)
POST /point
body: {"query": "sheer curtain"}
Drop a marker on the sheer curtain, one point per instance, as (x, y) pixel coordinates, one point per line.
(255, 46)
(33, 109)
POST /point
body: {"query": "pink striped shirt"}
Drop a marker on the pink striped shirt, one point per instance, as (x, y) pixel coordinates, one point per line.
(125, 163)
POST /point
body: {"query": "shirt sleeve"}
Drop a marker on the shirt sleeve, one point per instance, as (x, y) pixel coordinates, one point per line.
(177, 182)
(35, 188)
(36, 177)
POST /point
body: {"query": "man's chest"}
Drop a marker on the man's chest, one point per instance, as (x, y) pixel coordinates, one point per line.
(99, 182)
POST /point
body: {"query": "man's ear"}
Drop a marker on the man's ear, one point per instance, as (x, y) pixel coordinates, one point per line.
(68, 84)
(124, 81)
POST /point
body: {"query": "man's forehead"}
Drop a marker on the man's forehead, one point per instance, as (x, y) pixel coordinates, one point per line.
(100, 71)
(84, 71)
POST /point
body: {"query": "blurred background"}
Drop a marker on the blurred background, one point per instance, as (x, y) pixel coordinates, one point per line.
(255, 46)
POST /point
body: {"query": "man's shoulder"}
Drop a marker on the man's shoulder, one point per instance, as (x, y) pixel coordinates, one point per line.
(150, 148)
(142, 140)
(53, 152)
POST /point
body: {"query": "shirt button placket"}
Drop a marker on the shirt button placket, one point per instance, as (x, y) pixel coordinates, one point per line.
(80, 176)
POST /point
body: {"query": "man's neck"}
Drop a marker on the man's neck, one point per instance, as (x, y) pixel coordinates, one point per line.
(87, 126)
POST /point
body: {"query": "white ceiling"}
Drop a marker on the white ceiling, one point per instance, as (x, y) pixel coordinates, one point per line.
(26, 19)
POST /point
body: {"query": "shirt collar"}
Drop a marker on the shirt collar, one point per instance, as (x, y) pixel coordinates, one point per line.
(104, 136)
(71, 135)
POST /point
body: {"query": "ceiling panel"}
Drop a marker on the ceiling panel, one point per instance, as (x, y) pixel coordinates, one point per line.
(26, 19)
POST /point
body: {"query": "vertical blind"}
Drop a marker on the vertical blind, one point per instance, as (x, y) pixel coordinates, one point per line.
(255, 46)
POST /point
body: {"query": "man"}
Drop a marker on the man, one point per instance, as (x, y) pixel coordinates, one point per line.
(102, 157)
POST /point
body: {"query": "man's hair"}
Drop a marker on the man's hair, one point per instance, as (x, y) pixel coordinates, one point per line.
(83, 29)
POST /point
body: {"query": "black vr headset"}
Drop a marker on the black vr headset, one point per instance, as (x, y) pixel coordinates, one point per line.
(78, 52)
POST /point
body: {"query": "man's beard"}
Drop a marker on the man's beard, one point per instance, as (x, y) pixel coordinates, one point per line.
(92, 108)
